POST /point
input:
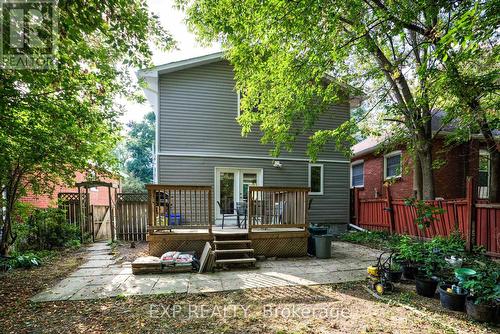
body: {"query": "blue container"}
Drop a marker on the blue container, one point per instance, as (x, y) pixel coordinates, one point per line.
(174, 219)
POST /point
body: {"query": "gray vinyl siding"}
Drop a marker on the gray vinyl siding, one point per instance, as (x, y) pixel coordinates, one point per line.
(330, 208)
(198, 110)
(197, 116)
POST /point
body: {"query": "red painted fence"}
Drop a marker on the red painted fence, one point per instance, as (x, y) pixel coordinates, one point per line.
(479, 223)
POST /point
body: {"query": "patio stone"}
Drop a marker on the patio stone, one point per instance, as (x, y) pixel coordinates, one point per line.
(175, 283)
(115, 280)
(100, 257)
(102, 277)
(97, 264)
(138, 285)
(202, 284)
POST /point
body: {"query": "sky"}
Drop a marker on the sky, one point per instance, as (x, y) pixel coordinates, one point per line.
(187, 47)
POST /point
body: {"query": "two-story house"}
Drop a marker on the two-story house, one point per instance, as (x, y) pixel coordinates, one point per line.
(199, 142)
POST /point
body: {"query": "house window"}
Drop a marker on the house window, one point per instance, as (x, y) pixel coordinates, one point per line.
(392, 165)
(316, 179)
(357, 174)
(484, 174)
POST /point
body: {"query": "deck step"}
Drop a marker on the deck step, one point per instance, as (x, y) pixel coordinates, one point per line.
(232, 251)
(227, 242)
(242, 260)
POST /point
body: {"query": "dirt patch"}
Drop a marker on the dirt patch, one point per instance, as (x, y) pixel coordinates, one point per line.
(19, 285)
(126, 253)
(342, 308)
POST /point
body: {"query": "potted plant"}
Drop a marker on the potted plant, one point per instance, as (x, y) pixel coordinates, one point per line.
(426, 280)
(484, 290)
(410, 254)
(395, 272)
(452, 297)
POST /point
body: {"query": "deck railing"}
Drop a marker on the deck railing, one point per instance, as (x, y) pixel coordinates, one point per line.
(278, 207)
(179, 206)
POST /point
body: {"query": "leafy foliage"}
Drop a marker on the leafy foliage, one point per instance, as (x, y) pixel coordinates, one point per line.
(45, 229)
(485, 286)
(65, 119)
(377, 239)
(426, 214)
(403, 54)
(138, 155)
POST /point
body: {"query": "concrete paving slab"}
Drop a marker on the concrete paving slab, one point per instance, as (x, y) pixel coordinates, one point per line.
(137, 285)
(177, 283)
(102, 277)
(114, 280)
(97, 264)
(201, 284)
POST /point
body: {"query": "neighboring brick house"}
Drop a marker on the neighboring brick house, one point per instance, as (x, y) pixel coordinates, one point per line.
(98, 195)
(371, 168)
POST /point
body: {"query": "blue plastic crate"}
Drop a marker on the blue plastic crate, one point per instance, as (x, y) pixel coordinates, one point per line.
(174, 219)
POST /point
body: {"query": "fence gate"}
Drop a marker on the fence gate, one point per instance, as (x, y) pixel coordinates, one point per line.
(102, 223)
(131, 216)
(71, 203)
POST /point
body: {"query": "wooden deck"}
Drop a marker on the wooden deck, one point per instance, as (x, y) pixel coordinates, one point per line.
(181, 218)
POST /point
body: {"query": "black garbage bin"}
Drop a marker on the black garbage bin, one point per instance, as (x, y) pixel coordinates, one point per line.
(313, 231)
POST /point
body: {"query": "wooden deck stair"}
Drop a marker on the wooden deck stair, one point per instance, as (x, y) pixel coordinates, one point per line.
(233, 249)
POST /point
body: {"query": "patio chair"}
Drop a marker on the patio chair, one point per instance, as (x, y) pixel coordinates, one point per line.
(241, 211)
(222, 211)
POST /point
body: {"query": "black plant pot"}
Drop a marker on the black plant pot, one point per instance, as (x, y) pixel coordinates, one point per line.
(480, 312)
(451, 301)
(395, 276)
(426, 286)
(409, 270)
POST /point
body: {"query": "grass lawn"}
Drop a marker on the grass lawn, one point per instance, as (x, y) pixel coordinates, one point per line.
(343, 308)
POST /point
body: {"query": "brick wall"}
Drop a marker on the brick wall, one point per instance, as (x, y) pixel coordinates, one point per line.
(449, 180)
(98, 196)
(374, 178)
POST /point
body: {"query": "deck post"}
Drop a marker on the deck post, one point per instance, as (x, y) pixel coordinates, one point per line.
(210, 213)
(249, 208)
(150, 208)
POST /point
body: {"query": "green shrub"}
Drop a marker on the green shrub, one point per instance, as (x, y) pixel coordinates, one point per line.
(485, 286)
(45, 229)
(27, 260)
(378, 239)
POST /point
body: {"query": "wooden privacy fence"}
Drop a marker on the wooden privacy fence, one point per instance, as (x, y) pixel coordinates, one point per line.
(179, 206)
(277, 207)
(478, 223)
(131, 216)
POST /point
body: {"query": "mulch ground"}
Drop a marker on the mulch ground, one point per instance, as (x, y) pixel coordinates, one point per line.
(344, 308)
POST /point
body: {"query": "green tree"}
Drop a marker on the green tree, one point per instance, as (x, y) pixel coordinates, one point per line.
(139, 145)
(467, 83)
(281, 51)
(65, 119)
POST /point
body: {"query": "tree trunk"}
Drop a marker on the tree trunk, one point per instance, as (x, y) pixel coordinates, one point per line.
(417, 177)
(425, 156)
(7, 226)
(11, 196)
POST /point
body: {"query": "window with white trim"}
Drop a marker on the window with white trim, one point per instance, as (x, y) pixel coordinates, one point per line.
(357, 174)
(483, 183)
(316, 179)
(392, 165)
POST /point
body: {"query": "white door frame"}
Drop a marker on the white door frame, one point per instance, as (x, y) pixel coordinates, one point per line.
(238, 182)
